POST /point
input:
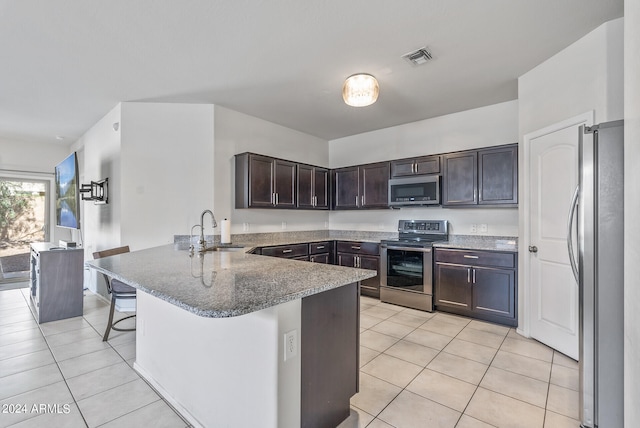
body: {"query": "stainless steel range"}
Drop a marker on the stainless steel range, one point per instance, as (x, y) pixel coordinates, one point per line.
(406, 263)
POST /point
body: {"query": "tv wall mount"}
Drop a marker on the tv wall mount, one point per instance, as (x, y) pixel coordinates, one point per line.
(98, 191)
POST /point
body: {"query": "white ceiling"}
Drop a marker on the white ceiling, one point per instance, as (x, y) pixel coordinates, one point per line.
(65, 63)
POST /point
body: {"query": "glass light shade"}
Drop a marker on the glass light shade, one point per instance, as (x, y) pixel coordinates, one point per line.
(360, 90)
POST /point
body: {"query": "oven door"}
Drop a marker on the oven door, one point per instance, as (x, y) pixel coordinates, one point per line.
(406, 268)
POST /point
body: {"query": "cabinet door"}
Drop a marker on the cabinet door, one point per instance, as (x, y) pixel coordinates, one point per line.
(498, 176)
(260, 181)
(305, 186)
(374, 185)
(453, 286)
(427, 165)
(285, 183)
(321, 188)
(346, 188)
(402, 168)
(345, 259)
(460, 179)
(371, 284)
(494, 292)
(320, 258)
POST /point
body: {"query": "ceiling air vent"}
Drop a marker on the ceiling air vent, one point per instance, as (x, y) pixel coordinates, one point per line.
(418, 57)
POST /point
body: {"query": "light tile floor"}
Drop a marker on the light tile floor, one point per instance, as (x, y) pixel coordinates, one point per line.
(61, 373)
(418, 370)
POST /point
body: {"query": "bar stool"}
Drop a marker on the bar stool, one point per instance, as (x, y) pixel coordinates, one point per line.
(117, 289)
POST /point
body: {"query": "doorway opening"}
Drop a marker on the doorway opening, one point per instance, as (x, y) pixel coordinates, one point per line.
(24, 218)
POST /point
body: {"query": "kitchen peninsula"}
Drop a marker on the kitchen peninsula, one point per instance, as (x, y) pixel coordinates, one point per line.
(211, 335)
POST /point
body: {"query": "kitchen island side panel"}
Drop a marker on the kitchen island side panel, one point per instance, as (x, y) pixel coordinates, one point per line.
(223, 372)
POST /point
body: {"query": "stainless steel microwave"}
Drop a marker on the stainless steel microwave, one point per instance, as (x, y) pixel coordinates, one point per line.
(424, 190)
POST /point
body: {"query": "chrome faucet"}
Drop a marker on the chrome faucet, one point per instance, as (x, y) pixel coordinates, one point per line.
(202, 242)
(191, 246)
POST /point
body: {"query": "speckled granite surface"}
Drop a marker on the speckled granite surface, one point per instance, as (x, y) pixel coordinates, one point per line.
(479, 242)
(223, 284)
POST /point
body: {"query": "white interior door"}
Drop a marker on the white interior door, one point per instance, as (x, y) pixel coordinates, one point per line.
(553, 293)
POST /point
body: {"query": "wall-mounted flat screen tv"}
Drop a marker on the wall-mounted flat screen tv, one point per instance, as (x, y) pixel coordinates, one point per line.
(68, 193)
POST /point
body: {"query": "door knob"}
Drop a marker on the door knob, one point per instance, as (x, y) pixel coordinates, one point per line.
(533, 249)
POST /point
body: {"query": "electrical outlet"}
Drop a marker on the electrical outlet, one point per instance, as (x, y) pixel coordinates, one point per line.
(484, 228)
(474, 228)
(290, 344)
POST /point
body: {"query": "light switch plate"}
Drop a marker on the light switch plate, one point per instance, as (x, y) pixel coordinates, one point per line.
(484, 228)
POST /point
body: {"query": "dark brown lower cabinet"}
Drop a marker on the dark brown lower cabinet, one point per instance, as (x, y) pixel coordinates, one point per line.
(320, 258)
(363, 255)
(329, 348)
(479, 284)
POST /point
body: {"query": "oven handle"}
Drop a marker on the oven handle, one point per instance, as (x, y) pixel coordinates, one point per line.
(416, 249)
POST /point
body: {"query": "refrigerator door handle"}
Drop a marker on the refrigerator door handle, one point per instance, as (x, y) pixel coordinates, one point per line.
(572, 212)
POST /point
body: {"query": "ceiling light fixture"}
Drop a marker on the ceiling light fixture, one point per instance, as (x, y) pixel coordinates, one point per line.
(360, 90)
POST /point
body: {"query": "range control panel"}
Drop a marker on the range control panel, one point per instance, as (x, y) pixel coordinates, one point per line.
(436, 227)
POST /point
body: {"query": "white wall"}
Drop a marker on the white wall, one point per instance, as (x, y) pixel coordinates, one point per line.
(239, 133)
(167, 164)
(631, 209)
(31, 157)
(486, 126)
(585, 76)
(98, 158)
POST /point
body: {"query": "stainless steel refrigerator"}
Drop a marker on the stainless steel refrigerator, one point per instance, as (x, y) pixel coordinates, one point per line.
(599, 271)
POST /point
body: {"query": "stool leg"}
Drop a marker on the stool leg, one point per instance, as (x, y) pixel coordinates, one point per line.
(110, 323)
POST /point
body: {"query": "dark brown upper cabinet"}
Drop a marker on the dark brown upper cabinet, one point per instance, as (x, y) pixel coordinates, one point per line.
(498, 176)
(415, 166)
(363, 186)
(313, 187)
(265, 182)
(481, 177)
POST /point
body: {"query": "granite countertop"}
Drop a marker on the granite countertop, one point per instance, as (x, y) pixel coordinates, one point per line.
(226, 283)
(476, 242)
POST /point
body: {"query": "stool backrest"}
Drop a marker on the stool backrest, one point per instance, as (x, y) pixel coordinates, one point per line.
(110, 252)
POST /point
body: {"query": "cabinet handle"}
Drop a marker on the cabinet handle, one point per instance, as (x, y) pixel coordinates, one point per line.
(277, 198)
(273, 199)
(413, 168)
(286, 251)
(470, 257)
(320, 247)
(416, 164)
(355, 261)
(362, 201)
(356, 200)
(474, 276)
(353, 247)
(359, 262)
(468, 274)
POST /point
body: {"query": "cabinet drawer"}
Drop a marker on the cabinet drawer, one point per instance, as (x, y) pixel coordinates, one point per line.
(476, 258)
(319, 247)
(355, 247)
(288, 251)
